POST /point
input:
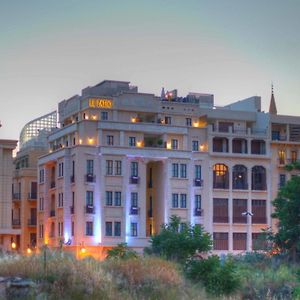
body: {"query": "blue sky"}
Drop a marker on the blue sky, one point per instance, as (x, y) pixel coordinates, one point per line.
(50, 50)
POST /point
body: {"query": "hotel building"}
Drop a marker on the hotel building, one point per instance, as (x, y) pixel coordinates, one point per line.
(123, 162)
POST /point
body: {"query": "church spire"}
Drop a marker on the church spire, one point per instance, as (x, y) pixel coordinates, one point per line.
(272, 108)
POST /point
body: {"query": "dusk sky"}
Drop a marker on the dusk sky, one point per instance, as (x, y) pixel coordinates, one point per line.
(50, 50)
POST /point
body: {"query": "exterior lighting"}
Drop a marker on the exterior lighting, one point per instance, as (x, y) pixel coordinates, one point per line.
(91, 141)
(196, 124)
(86, 117)
(169, 146)
(13, 245)
(201, 147)
(139, 144)
(133, 119)
(82, 250)
(80, 141)
(94, 117)
(29, 250)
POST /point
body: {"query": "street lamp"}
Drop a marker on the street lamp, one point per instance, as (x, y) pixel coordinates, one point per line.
(13, 245)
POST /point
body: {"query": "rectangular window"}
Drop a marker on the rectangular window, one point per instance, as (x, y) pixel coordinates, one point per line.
(41, 204)
(89, 198)
(60, 228)
(72, 229)
(175, 200)
(61, 169)
(108, 228)
(118, 167)
(110, 140)
(239, 241)
(183, 170)
(168, 120)
(198, 171)
(175, 169)
(197, 201)
(133, 229)
(220, 240)
(294, 156)
(132, 141)
(117, 228)
(60, 199)
(41, 231)
(195, 146)
(282, 180)
(259, 212)
(188, 122)
(239, 207)
(89, 228)
(134, 199)
(183, 200)
(109, 200)
(104, 115)
(42, 175)
(174, 144)
(109, 167)
(134, 169)
(90, 166)
(220, 210)
(117, 198)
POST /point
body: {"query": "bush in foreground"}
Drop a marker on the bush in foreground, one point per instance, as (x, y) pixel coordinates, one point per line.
(218, 278)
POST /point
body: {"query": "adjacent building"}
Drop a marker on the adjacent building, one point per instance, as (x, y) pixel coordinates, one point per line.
(33, 144)
(122, 162)
(8, 235)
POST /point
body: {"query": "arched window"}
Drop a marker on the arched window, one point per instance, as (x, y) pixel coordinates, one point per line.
(221, 176)
(259, 181)
(239, 177)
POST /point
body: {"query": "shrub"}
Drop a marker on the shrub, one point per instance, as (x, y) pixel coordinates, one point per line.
(218, 278)
(122, 251)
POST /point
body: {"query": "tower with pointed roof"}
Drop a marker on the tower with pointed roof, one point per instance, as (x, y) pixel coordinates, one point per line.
(272, 108)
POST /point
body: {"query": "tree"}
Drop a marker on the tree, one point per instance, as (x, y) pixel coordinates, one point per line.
(179, 245)
(287, 211)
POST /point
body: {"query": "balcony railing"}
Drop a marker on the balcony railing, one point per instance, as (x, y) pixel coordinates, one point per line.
(198, 212)
(89, 209)
(16, 196)
(72, 179)
(198, 182)
(134, 180)
(31, 222)
(32, 196)
(52, 184)
(52, 213)
(90, 177)
(16, 222)
(134, 210)
(72, 210)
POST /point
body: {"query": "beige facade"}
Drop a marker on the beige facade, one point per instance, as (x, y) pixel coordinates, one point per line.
(8, 235)
(122, 162)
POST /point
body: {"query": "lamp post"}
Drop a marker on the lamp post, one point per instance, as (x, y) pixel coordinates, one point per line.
(249, 215)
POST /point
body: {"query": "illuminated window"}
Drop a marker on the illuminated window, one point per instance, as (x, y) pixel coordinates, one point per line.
(281, 157)
(220, 176)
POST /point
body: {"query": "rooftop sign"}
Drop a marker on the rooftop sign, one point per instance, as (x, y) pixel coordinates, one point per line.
(100, 103)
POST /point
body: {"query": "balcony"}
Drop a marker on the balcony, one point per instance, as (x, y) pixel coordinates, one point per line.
(32, 196)
(134, 210)
(90, 177)
(16, 222)
(52, 213)
(31, 222)
(198, 212)
(72, 209)
(89, 209)
(16, 196)
(134, 180)
(72, 179)
(52, 184)
(198, 182)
